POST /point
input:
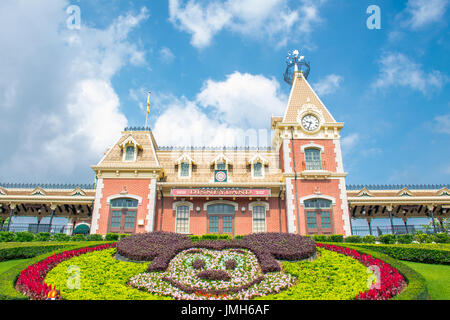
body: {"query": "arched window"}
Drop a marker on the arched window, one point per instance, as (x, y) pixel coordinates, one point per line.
(182, 219)
(220, 218)
(319, 215)
(312, 159)
(259, 219)
(123, 215)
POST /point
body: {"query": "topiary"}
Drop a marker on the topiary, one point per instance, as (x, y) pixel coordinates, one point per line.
(405, 238)
(441, 238)
(335, 238)
(60, 237)
(320, 238)
(23, 236)
(94, 237)
(42, 236)
(353, 239)
(112, 237)
(6, 236)
(78, 237)
(369, 239)
(387, 238)
(423, 238)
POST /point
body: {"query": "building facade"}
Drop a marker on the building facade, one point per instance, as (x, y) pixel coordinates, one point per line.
(296, 185)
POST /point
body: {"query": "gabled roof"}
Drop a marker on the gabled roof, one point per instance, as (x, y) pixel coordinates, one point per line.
(258, 158)
(303, 96)
(147, 158)
(221, 157)
(184, 158)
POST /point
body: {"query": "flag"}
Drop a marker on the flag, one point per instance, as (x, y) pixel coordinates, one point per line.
(148, 103)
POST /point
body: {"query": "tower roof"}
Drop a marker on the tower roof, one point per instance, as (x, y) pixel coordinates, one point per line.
(303, 96)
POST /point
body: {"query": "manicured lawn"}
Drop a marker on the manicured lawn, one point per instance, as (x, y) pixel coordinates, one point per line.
(437, 277)
(6, 265)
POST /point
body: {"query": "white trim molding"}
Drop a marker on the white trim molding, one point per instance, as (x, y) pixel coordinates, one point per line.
(313, 146)
(290, 206)
(151, 206)
(183, 203)
(236, 206)
(126, 195)
(97, 206)
(258, 203)
(317, 196)
(344, 206)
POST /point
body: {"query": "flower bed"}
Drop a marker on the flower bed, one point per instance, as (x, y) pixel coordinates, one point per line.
(391, 282)
(161, 247)
(31, 280)
(182, 280)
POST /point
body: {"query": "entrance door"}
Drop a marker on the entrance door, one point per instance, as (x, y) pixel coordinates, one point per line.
(318, 216)
(123, 215)
(220, 218)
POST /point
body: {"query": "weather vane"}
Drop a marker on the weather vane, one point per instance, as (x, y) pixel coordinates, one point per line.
(295, 62)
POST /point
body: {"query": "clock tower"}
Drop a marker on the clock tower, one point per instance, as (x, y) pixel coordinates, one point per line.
(307, 138)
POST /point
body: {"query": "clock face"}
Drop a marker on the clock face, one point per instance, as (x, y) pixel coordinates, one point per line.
(221, 176)
(310, 122)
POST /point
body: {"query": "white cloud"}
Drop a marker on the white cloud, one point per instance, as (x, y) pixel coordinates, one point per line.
(272, 19)
(399, 70)
(57, 85)
(425, 12)
(166, 55)
(443, 123)
(328, 85)
(220, 112)
(349, 142)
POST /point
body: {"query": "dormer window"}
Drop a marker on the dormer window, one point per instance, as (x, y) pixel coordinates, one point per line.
(130, 148)
(184, 169)
(129, 153)
(257, 170)
(258, 164)
(184, 164)
(221, 166)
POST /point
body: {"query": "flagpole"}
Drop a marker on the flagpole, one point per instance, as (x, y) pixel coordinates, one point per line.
(148, 109)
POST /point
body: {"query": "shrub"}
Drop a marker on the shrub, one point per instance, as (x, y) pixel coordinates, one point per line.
(42, 236)
(94, 237)
(438, 238)
(412, 252)
(320, 238)
(353, 239)
(6, 236)
(230, 264)
(194, 237)
(335, 238)
(23, 236)
(387, 238)
(369, 239)
(123, 235)
(423, 238)
(112, 237)
(60, 237)
(78, 237)
(239, 236)
(405, 238)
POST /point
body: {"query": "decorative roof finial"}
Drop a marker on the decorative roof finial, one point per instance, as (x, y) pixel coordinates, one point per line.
(295, 62)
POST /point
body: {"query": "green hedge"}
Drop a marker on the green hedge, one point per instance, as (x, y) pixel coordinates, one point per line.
(433, 253)
(416, 289)
(9, 277)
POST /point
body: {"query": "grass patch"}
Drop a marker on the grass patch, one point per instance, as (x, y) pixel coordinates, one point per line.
(437, 278)
(332, 276)
(6, 265)
(102, 277)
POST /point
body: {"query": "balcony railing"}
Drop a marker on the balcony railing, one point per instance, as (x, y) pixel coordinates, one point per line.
(313, 165)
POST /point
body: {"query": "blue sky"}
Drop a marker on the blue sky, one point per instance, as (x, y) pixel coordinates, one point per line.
(215, 69)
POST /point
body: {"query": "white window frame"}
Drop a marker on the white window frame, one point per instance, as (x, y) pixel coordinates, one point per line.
(263, 171)
(125, 153)
(320, 157)
(251, 205)
(189, 170)
(190, 206)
